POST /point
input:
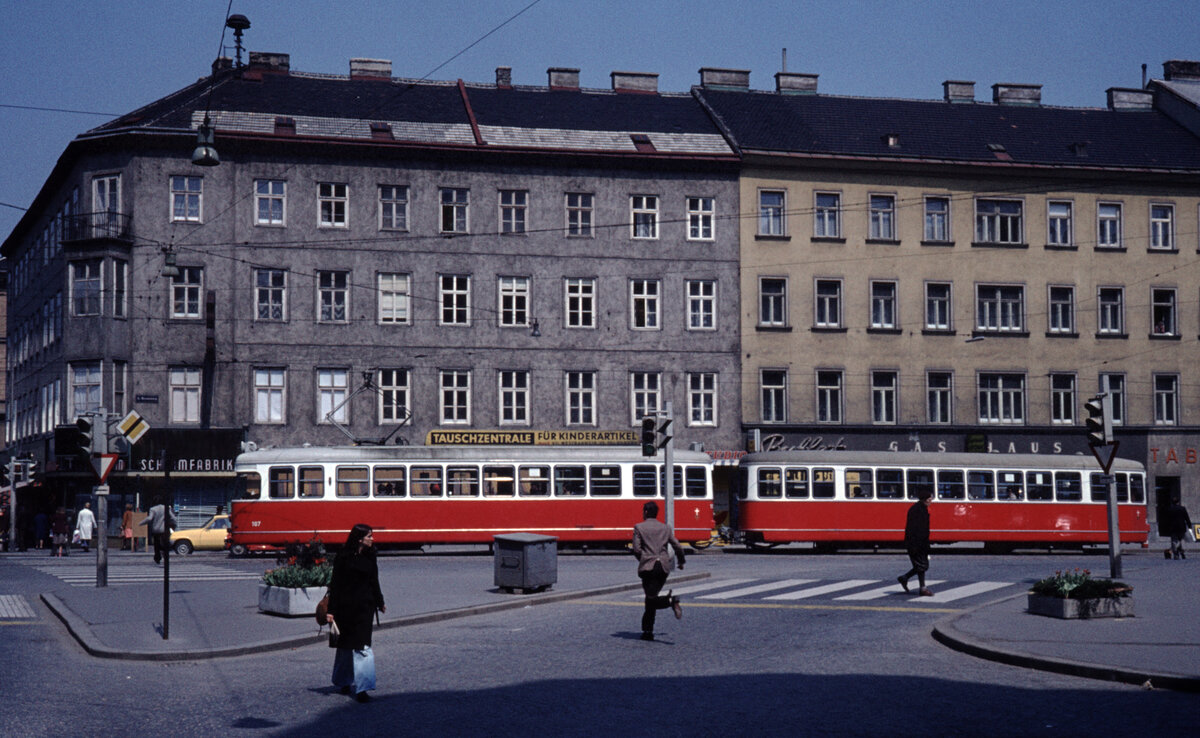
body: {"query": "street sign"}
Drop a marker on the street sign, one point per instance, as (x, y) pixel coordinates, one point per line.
(103, 464)
(133, 426)
(1105, 455)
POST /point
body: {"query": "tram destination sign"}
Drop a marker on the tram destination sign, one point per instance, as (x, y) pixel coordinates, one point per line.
(531, 438)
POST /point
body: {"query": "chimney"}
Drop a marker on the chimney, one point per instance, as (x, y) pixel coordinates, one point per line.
(222, 64)
(1125, 98)
(958, 91)
(378, 69)
(563, 78)
(634, 82)
(1016, 94)
(794, 83)
(712, 78)
(1181, 69)
(504, 78)
(267, 62)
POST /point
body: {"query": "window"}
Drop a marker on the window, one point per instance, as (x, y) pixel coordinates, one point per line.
(120, 292)
(827, 215)
(1002, 398)
(393, 208)
(998, 221)
(270, 293)
(770, 213)
(1058, 223)
(772, 301)
(395, 295)
(456, 397)
(883, 397)
(939, 397)
(270, 199)
(644, 215)
(773, 391)
(701, 304)
(86, 395)
(644, 394)
(85, 287)
(1108, 225)
(332, 389)
(644, 304)
(581, 398)
(185, 292)
(1166, 399)
(829, 303)
(393, 396)
(580, 302)
(281, 483)
(1110, 303)
(185, 395)
(106, 200)
(455, 209)
(700, 213)
(513, 209)
(120, 380)
(353, 481)
(185, 199)
(333, 296)
(883, 305)
(829, 397)
(702, 398)
(1162, 226)
(331, 200)
(514, 397)
(455, 299)
(1062, 399)
(514, 301)
(937, 306)
(937, 219)
(1116, 389)
(268, 395)
(1061, 315)
(1000, 308)
(579, 214)
(882, 217)
(1162, 305)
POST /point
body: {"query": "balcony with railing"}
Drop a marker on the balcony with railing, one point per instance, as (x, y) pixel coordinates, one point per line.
(106, 225)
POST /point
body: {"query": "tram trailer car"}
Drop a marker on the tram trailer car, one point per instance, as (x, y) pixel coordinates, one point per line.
(833, 498)
(416, 495)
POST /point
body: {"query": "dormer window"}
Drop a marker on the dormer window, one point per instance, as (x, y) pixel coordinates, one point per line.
(642, 142)
(892, 140)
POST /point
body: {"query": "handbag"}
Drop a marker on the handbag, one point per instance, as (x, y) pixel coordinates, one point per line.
(334, 634)
(323, 610)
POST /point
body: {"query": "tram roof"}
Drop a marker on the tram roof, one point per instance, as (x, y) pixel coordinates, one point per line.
(919, 459)
(464, 454)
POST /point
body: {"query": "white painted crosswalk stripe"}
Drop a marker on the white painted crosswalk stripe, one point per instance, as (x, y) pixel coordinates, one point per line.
(966, 590)
(888, 590)
(85, 576)
(822, 590)
(16, 607)
(756, 589)
(705, 586)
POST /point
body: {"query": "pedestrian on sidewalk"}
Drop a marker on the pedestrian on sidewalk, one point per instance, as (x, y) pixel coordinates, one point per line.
(41, 529)
(59, 528)
(916, 540)
(85, 525)
(159, 521)
(127, 543)
(650, 541)
(354, 598)
(1176, 524)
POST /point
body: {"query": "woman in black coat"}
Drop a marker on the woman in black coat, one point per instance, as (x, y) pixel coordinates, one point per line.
(354, 596)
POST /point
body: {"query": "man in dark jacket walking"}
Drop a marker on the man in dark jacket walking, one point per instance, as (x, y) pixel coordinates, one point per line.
(916, 540)
(1176, 524)
(650, 541)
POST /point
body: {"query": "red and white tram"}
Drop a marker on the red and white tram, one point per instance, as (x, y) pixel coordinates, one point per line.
(856, 497)
(415, 495)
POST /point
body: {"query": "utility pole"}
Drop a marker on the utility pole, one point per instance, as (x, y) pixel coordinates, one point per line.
(669, 465)
(100, 446)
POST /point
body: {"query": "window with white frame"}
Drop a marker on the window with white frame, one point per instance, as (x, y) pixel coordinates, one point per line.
(644, 304)
(454, 296)
(580, 302)
(1001, 398)
(186, 195)
(884, 386)
(771, 213)
(580, 397)
(333, 387)
(1166, 399)
(514, 397)
(1116, 390)
(937, 219)
(332, 199)
(772, 302)
(514, 301)
(393, 396)
(1108, 225)
(269, 387)
(827, 215)
(186, 288)
(1058, 223)
(393, 207)
(1110, 306)
(86, 394)
(828, 313)
(1162, 226)
(937, 306)
(644, 394)
(395, 296)
(700, 214)
(883, 305)
(456, 206)
(939, 397)
(333, 293)
(644, 215)
(579, 214)
(85, 287)
(701, 304)
(120, 380)
(514, 205)
(829, 396)
(1062, 399)
(1162, 307)
(270, 294)
(882, 225)
(1000, 308)
(455, 401)
(1061, 316)
(270, 202)
(702, 398)
(998, 221)
(120, 288)
(185, 394)
(106, 199)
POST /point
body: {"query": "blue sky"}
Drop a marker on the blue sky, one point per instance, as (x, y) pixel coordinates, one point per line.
(114, 57)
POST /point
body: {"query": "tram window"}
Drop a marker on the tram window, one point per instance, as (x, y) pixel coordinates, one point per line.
(1122, 487)
(570, 481)
(920, 481)
(498, 481)
(1009, 485)
(353, 481)
(1038, 485)
(1068, 487)
(312, 481)
(1137, 488)
(824, 484)
(950, 484)
(676, 481)
(251, 486)
(534, 481)
(462, 481)
(889, 484)
(695, 482)
(645, 481)
(1099, 488)
(981, 485)
(769, 484)
(795, 483)
(605, 481)
(859, 485)
(426, 481)
(282, 484)
(389, 481)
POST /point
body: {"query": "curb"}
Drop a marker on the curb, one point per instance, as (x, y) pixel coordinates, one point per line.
(82, 632)
(945, 633)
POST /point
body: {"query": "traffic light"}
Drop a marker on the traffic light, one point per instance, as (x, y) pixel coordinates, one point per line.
(74, 440)
(30, 469)
(9, 474)
(1099, 420)
(649, 436)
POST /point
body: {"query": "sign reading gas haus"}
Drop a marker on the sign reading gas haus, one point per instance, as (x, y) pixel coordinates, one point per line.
(531, 438)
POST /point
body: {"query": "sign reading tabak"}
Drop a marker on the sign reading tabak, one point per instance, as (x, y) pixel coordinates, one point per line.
(531, 438)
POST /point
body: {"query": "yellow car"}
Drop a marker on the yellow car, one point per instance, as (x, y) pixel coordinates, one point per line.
(208, 537)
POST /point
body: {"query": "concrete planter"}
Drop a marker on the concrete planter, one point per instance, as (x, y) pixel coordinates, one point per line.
(1068, 609)
(290, 601)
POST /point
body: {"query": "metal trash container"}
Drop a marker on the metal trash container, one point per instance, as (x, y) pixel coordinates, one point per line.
(525, 561)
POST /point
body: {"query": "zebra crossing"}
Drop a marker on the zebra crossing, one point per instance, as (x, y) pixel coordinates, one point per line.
(85, 575)
(16, 607)
(846, 590)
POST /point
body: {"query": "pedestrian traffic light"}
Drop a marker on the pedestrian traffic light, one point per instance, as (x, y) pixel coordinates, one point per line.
(649, 436)
(1099, 420)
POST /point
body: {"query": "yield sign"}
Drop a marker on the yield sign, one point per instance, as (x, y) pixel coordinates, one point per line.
(1105, 454)
(102, 464)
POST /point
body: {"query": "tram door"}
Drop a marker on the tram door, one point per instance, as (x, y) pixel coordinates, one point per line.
(1166, 489)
